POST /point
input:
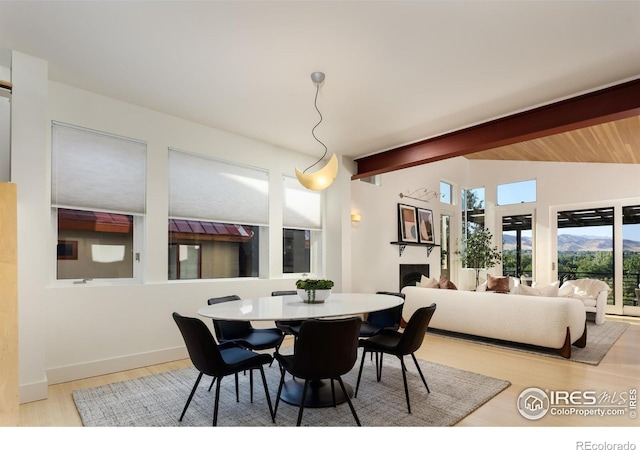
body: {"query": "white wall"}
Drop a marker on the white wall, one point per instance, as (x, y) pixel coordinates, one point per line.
(375, 264)
(375, 261)
(74, 331)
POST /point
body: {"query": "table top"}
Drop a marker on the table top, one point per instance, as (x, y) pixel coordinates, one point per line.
(291, 307)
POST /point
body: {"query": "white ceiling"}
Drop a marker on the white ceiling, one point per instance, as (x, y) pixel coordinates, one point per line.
(396, 71)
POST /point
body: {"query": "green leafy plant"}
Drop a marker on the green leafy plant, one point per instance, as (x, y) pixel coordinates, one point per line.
(478, 253)
(312, 285)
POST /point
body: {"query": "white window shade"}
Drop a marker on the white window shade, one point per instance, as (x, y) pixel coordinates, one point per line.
(97, 171)
(302, 207)
(210, 189)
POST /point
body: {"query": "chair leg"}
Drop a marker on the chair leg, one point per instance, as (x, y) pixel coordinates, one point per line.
(193, 391)
(364, 352)
(420, 372)
(237, 392)
(404, 379)
(251, 385)
(353, 410)
(302, 400)
(217, 402)
(333, 393)
(379, 367)
(213, 380)
(266, 393)
(275, 409)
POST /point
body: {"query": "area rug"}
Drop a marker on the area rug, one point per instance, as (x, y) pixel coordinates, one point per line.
(157, 400)
(600, 339)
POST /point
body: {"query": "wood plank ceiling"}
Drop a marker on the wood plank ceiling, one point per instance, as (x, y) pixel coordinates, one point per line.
(612, 142)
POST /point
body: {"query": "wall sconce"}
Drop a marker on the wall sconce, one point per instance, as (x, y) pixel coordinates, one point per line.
(356, 217)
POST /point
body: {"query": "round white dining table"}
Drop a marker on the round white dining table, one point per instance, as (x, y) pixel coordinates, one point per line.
(291, 307)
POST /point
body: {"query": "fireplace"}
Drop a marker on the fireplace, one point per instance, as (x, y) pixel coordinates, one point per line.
(410, 274)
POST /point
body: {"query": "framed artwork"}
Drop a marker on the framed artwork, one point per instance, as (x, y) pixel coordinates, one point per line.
(407, 223)
(425, 226)
(67, 249)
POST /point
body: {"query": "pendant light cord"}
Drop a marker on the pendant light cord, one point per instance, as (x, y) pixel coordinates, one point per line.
(315, 103)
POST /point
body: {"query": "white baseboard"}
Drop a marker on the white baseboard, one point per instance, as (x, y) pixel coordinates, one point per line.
(38, 391)
(33, 392)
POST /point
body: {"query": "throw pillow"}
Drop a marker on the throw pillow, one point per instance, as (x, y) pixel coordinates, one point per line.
(445, 283)
(497, 284)
(427, 282)
(482, 287)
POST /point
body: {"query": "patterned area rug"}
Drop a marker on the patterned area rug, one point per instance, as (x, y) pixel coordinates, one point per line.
(157, 400)
(600, 339)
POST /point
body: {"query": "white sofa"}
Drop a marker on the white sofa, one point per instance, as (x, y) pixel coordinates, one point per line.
(592, 293)
(551, 322)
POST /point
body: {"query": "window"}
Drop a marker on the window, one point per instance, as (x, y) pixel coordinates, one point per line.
(585, 244)
(472, 209)
(446, 191)
(98, 197)
(517, 245)
(519, 192)
(302, 220)
(217, 213)
(631, 255)
(472, 213)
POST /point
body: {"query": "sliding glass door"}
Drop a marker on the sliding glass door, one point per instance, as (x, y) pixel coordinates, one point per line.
(631, 260)
(602, 242)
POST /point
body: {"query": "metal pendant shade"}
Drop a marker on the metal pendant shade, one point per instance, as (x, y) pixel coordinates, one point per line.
(322, 178)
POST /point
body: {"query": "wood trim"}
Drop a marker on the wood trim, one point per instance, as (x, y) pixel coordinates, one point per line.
(565, 351)
(605, 105)
(9, 394)
(582, 342)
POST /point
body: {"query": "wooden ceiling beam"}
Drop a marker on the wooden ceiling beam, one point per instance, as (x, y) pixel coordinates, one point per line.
(605, 105)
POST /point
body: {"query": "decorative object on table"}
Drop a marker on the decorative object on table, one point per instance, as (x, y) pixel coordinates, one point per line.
(478, 253)
(407, 223)
(314, 291)
(323, 178)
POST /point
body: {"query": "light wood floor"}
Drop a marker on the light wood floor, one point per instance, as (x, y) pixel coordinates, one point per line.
(618, 372)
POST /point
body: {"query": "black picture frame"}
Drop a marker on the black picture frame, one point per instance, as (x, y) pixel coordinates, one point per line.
(426, 230)
(407, 223)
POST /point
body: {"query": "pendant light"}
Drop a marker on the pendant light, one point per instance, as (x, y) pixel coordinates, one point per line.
(322, 178)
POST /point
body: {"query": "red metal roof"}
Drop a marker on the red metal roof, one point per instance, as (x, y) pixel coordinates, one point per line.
(72, 219)
(195, 229)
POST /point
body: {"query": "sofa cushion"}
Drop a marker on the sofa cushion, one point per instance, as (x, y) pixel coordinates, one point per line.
(445, 283)
(498, 284)
(550, 290)
(427, 282)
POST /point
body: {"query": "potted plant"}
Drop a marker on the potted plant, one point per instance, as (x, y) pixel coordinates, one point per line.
(478, 253)
(313, 291)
